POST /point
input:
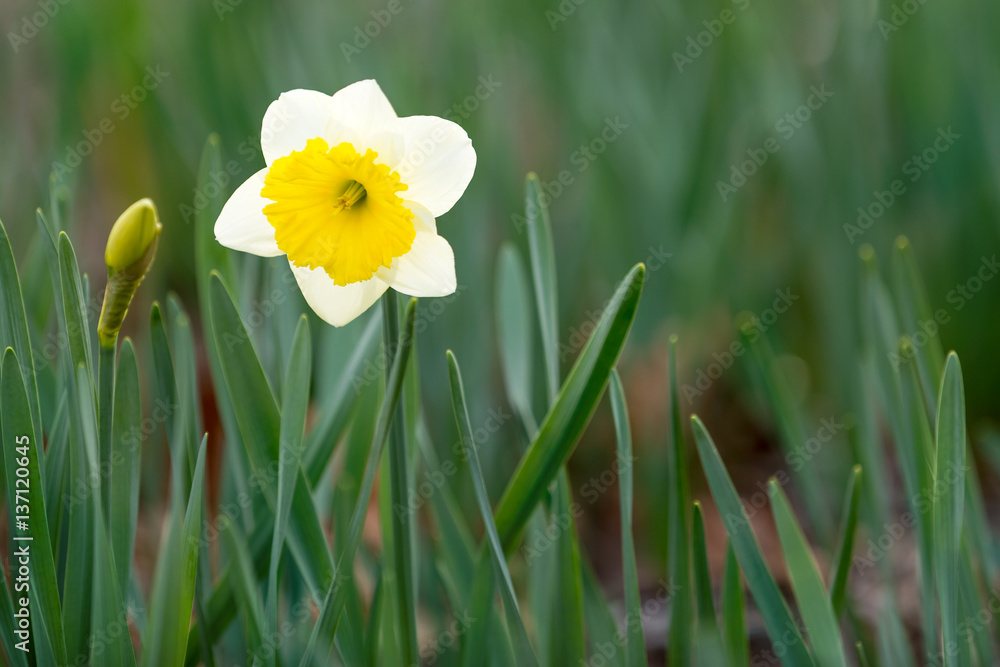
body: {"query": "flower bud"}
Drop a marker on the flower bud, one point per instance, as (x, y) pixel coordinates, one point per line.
(132, 241)
(129, 254)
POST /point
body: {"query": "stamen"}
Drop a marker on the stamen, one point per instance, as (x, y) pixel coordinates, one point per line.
(355, 192)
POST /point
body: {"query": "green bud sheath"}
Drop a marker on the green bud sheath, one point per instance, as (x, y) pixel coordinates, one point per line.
(129, 255)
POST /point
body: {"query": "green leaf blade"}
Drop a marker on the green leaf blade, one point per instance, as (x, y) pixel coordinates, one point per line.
(292, 430)
(635, 648)
(25, 492)
(543, 271)
(514, 324)
(175, 579)
(813, 598)
(777, 617)
(14, 325)
(845, 550)
(524, 651)
(682, 624)
(126, 459)
(259, 421)
(571, 411)
(336, 595)
(734, 624)
(702, 575)
(399, 494)
(947, 506)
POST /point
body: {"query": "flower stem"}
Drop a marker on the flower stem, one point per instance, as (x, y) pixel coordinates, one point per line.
(402, 549)
(105, 417)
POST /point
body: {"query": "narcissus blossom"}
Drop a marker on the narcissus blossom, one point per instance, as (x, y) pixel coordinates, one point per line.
(350, 194)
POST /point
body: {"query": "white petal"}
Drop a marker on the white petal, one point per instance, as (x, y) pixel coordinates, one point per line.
(428, 269)
(337, 133)
(336, 304)
(363, 108)
(389, 146)
(421, 216)
(438, 162)
(242, 224)
(292, 119)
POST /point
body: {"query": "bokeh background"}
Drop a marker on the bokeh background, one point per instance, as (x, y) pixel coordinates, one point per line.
(643, 109)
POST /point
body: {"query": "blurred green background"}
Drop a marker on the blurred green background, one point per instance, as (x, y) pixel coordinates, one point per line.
(683, 93)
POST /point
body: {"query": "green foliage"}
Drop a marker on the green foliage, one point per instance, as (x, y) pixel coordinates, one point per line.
(314, 432)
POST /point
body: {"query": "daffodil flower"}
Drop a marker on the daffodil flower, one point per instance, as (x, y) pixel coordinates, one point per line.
(350, 194)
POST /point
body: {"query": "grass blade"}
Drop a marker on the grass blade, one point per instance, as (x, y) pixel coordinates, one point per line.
(567, 594)
(8, 626)
(567, 641)
(812, 596)
(863, 660)
(210, 255)
(345, 496)
(543, 271)
(259, 421)
(524, 652)
(916, 315)
(74, 307)
(336, 414)
(702, 575)
(247, 595)
(734, 624)
(319, 447)
(777, 617)
(14, 326)
(602, 630)
(185, 379)
(709, 650)
(791, 429)
(842, 560)
(111, 644)
(457, 555)
(947, 507)
(513, 318)
(882, 340)
(106, 363)
(402, 547)
(176, 374)
(166, 385)
(175, 579)
(78, 584)
(556, 439)
(336, 595)
(26, 501)
(682, 621)
(57, 470)
(635, 648)
(972, 599)
(293, 423)
(894, 646)
(372, 635)
(126, 456)
(571, 411)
